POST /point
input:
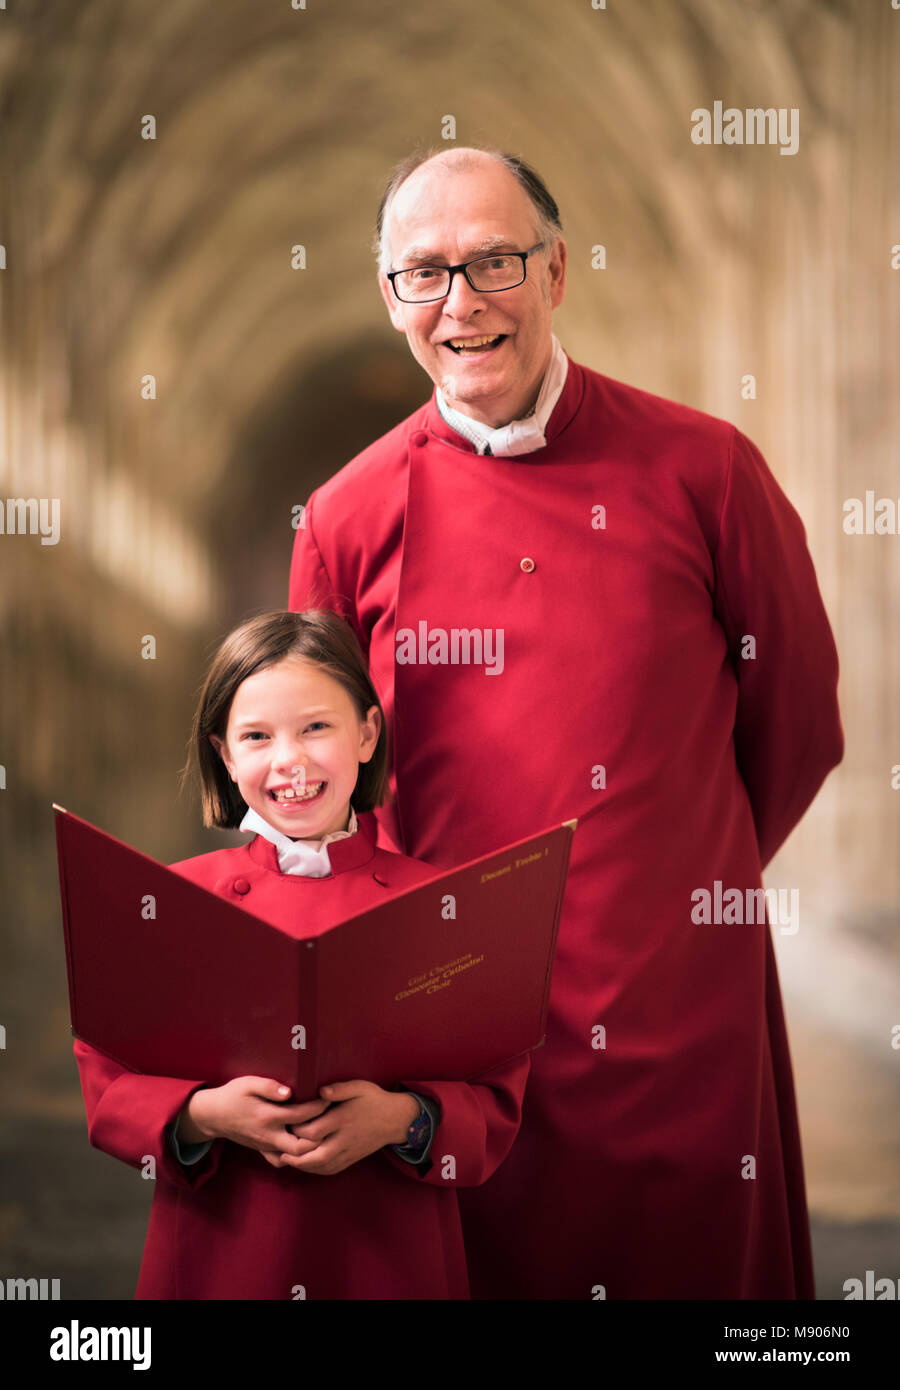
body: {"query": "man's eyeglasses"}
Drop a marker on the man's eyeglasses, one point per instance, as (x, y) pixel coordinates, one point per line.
(423, 283)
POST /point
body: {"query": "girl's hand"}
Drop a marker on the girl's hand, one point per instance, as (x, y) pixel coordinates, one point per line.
(362, 1118)
(250, 1110)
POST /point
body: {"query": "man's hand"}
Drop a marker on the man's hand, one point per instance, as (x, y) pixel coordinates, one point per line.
(362, 1118)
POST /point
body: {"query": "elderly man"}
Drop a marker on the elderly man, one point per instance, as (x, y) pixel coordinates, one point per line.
(646, 649)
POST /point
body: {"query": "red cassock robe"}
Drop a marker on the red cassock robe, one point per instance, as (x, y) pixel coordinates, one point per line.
(625, 563)
(233, 1227)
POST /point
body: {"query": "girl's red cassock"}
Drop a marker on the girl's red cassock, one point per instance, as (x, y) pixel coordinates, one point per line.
(232, 1226)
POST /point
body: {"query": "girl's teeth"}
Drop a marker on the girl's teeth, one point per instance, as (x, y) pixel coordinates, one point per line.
(288, 793)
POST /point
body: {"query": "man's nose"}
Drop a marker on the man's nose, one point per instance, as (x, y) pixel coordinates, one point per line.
(462, 300)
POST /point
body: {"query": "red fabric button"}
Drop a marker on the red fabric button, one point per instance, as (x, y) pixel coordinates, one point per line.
(418, 437)
(241, 886)
(526, 564)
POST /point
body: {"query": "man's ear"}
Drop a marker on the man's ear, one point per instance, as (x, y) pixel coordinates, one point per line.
(394, 307)
(557, 273)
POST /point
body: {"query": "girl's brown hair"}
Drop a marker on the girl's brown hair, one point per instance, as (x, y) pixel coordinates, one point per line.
(319, 636)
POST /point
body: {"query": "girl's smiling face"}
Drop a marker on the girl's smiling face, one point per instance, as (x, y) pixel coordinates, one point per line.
(293, 745)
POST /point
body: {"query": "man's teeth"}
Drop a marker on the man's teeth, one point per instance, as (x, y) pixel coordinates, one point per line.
(289, 794)
(465, 343)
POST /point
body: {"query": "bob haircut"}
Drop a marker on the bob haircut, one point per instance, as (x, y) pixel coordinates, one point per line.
(319, 636)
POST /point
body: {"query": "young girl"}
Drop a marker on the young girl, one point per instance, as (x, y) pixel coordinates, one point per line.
(259, 1193)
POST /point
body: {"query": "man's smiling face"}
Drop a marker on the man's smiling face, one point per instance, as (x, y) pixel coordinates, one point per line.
(441, 217)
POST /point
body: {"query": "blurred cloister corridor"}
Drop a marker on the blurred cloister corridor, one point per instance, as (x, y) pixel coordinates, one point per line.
(126, 258)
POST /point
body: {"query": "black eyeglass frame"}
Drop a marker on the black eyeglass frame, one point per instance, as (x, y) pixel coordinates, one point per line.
(464, 267)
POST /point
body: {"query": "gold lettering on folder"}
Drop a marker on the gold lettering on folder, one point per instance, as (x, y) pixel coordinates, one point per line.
(516, 864)
(440, 977)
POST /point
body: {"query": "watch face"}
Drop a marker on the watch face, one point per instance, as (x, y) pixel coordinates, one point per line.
(415, 1135)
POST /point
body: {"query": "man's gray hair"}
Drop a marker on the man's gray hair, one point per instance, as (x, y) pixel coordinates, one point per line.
(549, 225)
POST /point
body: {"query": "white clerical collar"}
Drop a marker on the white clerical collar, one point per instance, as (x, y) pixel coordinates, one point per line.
(298, 856)
(519, 436)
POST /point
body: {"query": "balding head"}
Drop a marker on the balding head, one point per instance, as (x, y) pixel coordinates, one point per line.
(439, 165)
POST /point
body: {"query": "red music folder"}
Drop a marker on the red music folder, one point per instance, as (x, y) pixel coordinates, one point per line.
(208, 990)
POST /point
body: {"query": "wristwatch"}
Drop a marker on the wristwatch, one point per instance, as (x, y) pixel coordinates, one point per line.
(417, 1134)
